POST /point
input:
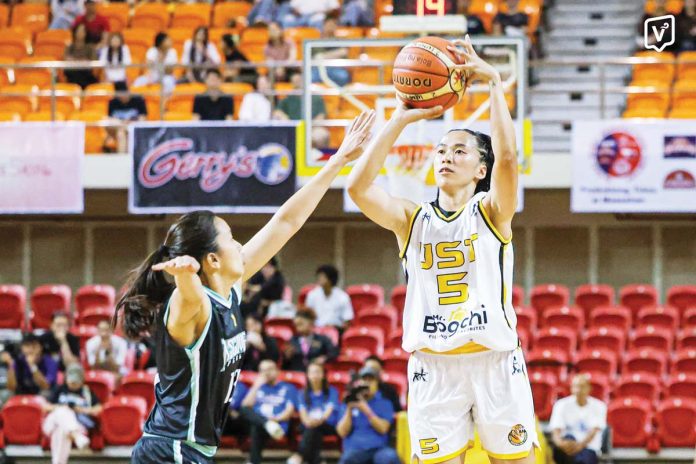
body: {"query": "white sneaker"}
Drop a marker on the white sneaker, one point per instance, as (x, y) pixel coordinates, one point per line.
(81, 440)
(274, 430)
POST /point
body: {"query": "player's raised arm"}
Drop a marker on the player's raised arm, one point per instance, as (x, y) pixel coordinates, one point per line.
(293, 214)
(501, 203)
(376, 203)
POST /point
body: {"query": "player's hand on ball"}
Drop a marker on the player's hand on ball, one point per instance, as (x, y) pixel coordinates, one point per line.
(356, 138)
(179, 265)
(473, 65)
(410, 115)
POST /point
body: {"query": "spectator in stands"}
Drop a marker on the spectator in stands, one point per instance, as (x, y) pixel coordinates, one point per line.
(234, 58)
(387, 390)
(34, 373)
(306, 346)
(337, 74)
(72, 410)
(513, 22)
(274, 403)
(357, 13)
(256, 105)
(279, 48)
(268, 11)
(113, 56)
(159, 59)
(309, 13)
(686, 27)
(80, 50)
(291, 106)
(199, 51)
(106, 350)
(366, 418)
(330, 303)
(59, 343)
(264, 287)
(124, 107)
(474, 25)
(213, 105)
(65, 12)
(236, 424)
(318, 406)
(577, 422)
(259, 345)
(96, 24)
(660, 9)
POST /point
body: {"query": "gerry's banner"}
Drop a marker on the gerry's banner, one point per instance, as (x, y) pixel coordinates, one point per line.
(41, 168)
(624, 166)
(223, 167)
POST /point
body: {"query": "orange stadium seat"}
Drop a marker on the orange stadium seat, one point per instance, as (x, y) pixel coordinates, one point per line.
(604, 338)
(225, 12)
(547, 296)
(672, 6)
(686, 65)
(302, 296)
(686, 338)
(330, 332)
(25, 413)
(15, 43)
(682, 297)
(630, 420)
(544, 393)
(398, 297)
(336, 133)
(122, 420)
(681, 386)
(590, 296)
(40, 77)
(682, 113)
(94, 315)
(662, 72)
(596, 362)
(47, 299)
(517, 295)
(643, 113)
(97, 96)
(191, 15)
(676, 419)
(4, 15)
(651, 337)
(637, 296)
(283, 89)
(254, 35)
(141, 384)
(644, 361)
(564, 317)
(94, 135)
(10, 116)
(31, 16)
(237, 90)
(647, 105)
(345, 32)
(116, 12)
(182, 97)
(365, 296)
(67, 98)
(659, 316)
(485, 10)
(91, 296)
(368, 337)
(5, 71)
(532, 8)
(139, 40)
(179, 36)
(611, 316)
(152, 16)
(17, 98)
(299, 35)
(684, 94)
(646, 386)
(152, 95)
(102, 383)
(13, 300)
(684, 361)
(52, 43)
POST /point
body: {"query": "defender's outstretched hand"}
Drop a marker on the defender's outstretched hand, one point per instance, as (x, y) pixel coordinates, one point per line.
(178, 266)
(356, 137)
(474, 66)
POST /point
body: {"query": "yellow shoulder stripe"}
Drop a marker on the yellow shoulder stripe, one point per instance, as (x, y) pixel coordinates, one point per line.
(414, 215)
(490, 225)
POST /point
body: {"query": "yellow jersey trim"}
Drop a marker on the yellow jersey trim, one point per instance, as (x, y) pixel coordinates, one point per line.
(454, 216)
(490, 225)
(467, 348)
(414, 215)
(510, 457)
(449, 456)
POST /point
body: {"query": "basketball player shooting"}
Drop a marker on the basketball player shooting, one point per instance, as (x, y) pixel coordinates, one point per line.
(466, 367)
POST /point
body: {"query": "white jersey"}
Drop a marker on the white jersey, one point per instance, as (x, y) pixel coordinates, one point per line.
(459, 280)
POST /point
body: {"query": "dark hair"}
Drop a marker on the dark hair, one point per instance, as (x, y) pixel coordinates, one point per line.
(160, 38)
(121, 86)
(324, 384)
(193, 234)
(214, 71)
(374, 357)
(229, 41)
(29, 338)
(59, 313)
(330, 272)
(273, 261)
(192, 52)
(485, 155)
(110, 50)
(306, 313)
(258, 318)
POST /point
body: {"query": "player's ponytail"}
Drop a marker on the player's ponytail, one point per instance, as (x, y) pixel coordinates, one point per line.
(485, 148)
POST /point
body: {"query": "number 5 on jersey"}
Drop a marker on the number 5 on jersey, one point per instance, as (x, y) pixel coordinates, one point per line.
(450, 286)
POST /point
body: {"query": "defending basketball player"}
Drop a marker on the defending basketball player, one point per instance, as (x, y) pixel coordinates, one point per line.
(195, 317)
(466, 368)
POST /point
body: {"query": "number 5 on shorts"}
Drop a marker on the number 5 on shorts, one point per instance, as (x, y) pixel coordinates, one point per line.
(429, 446)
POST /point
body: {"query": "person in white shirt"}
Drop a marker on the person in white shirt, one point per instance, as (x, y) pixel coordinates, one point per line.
(199, 51)
(309, 13)
(577, 422)
(115, 53)
(331, 304)
(256, 106)
(160, 55)
(107, 351)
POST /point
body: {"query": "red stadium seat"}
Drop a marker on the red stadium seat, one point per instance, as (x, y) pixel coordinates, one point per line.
(600, 386)
(365, 296)
(684, 362)
(286, 322)
(550, 361)
(644, 361)
(547, 296)
(638, 296)
(526, 318)
(122, 420)
(384, 317)
(544, 392)
(681, 385)
(396, 360)
(689, 317)
(686, 338)
(25, 413)
(589, 297)
(248, 377)
(604, 338)
(281, 334)
(682, 297)
(95, 315)
(657, 338)
(102, 384)
(611, 316)
(676, 422)
(368, 337)
(94, 296)
(345, 364)
(659, 316)
(302, 296)
(398, 297)
(395, 338)
(525, 338)
(84, 333)
(556, 338)
(47, 299)
(330, 332)
(13, 301)
(597, 362)
(630, 420)
(139, 383)
(517, 296)
(399, 381)
(294, 378)
(646, 386)
(565, 317)
(339, 380)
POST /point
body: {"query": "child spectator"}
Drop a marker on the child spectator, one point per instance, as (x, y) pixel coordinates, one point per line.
(256, 105)
(259, 345)
(80, 50)
(115, 53)
(330, 303)
(159, 58)
(59, 343)
(34, 373)
(199, 51)
(213, 105)
(306, 346)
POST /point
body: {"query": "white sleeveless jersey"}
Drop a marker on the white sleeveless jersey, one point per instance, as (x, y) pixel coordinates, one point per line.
(459, 282)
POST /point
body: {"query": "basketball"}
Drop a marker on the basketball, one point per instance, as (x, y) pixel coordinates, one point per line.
(424, 75)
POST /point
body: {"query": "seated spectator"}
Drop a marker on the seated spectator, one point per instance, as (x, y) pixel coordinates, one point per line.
(124, 107)
(577, 422)
(318, 405)
(511, 23)
(65, 12)
(274, 403)
(213, 105)
(309, 13)
(291, 106)
(686, 27)
(264, 287)
(357, 13)
(159, 58)
(199, 51)
(80, 50)
(259, 345)
(107, 351)
(366, 418)
(474, 25)
(268, 11)
(72, 411)
(34, 373)
(306, 346)
(97, 25)
(387, 390)
(330, 303)
(236, 424)
(114, 54)
(279, 48)
(234, 58)
(59, 343)
(337, 74)
(256, 105)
